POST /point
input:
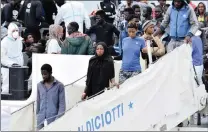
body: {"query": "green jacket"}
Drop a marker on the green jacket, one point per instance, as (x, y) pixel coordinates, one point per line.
(81, 45)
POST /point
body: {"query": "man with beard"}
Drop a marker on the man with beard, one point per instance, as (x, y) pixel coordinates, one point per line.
(104, 31)
(181, 19)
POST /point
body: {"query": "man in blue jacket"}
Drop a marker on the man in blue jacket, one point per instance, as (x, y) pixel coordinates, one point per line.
(181, 19)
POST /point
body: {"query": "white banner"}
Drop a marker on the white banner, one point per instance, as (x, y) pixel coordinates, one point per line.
(142, 102)
(5, 118)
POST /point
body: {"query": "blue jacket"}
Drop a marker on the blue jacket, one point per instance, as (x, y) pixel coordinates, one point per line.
(182, 22)
(179, 24)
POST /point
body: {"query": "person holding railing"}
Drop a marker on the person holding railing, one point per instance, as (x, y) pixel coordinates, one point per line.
(100, 72)
(50, 98)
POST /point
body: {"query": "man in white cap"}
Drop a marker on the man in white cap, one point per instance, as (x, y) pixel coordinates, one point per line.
(11, 54)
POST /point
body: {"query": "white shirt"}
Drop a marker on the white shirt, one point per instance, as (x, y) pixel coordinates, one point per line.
(73, 11)
(53, 47)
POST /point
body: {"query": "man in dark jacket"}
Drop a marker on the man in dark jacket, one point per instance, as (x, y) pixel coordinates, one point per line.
(10, 12)
(77, 43)
(50, 9)
(34, 18)
(104, 31)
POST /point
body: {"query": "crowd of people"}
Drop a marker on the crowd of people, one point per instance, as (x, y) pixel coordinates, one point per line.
(114, 32)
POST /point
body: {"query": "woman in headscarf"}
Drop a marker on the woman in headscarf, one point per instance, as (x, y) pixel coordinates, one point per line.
(54, 43)
(100, 72)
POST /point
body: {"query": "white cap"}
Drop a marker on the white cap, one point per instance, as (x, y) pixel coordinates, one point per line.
(198, 33)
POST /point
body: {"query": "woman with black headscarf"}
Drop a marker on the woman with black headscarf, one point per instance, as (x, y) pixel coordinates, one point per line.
(100, 72)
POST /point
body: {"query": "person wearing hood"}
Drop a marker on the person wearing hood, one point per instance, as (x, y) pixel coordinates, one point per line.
(181, 19)
(100, 72)
(11, 54)
(77, 43)
(54, 43)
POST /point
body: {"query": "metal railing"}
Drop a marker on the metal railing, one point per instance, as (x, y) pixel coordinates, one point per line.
(33, 105)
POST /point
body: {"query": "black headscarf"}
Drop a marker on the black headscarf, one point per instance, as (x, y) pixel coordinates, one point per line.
(99, 71)
(105, 54)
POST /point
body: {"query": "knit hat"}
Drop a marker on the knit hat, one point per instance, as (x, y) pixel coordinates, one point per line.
(147, 24)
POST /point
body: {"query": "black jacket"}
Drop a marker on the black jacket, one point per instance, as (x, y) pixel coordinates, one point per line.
(49, 7)
(33, 14)
(104, 33)
(100, 72)
(6, 14)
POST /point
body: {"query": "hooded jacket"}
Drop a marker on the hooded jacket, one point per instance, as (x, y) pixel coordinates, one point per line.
(11, 49)
(77, 44)
(182, 22)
